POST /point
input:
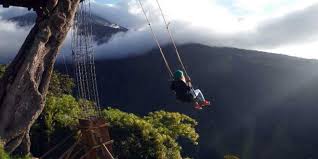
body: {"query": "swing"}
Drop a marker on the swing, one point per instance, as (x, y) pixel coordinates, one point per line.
(157, 41)
(191, 95)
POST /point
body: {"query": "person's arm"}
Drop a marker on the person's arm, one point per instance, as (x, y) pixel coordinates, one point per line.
(188, 80)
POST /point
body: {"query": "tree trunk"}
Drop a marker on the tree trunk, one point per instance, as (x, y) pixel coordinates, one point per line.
(24, 85)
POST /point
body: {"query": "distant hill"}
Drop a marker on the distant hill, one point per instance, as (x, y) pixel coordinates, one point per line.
(102, 28)
(265, 104)
(24, 20)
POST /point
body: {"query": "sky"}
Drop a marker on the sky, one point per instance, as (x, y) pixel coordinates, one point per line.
(280, 26)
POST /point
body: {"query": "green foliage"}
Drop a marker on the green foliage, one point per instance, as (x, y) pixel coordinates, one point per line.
(64, 111)
(3, 154)
(58, 120)
(19, 157)
(174, 124)
(59, 116)
(61, 108)
(60, 84)
(154, 136)
(230, 157)
(61, 111)
(2, 70)
(88, 108)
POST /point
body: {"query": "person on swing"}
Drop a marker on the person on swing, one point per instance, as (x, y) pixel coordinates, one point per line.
(184, 91)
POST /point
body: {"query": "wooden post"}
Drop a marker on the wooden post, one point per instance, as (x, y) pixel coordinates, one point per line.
(95, 138)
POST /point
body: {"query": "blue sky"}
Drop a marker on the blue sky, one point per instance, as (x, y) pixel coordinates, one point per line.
(107, 1)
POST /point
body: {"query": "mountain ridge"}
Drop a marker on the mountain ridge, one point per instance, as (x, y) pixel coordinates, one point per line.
(102, 32)
(261, 101)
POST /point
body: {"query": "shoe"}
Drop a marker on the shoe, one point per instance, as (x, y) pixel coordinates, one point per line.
(197, 106)
(205, 103)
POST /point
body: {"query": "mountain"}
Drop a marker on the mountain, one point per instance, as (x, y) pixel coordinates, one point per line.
(264, 105)
(26, 20)
(102, 28)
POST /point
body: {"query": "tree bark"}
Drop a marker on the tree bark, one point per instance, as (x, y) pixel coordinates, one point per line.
(24, 85)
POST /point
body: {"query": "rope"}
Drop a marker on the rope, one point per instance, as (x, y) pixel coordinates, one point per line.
(83, 57)
(172, 40)
(156, 39)
(93, 68)
(65, 65)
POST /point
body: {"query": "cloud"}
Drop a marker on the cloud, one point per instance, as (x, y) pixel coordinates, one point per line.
(270, 6)
(295, 28)
(11, 35)
(122, 13)
(11, 38)
(209, 23)
(6, 13)
(184, 23)
(289, 28)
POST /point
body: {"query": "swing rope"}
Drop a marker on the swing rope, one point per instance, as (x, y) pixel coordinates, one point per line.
(172, 39)
(156, 39)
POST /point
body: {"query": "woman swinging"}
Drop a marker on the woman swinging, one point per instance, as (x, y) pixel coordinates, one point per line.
(180, 85)
(185, 92)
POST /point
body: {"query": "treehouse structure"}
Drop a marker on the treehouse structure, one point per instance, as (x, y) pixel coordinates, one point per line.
(24, 86)
(37, 5)
(30, 4)
(94, 139)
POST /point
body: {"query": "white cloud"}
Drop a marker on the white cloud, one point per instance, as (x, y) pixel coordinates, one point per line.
(12, 12)
(279, 26)
(11, 38)
(307, 50)
(210, 23)
(271, 7)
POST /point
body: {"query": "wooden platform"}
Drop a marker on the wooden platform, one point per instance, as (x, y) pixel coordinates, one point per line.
(95, 135)
(93, 143)
(30, 4)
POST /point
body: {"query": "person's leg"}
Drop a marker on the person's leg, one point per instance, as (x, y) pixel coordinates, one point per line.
(199, 95)
(197, 105)
(200, 98)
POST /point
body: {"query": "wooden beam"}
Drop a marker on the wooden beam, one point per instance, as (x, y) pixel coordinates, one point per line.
(30, 4)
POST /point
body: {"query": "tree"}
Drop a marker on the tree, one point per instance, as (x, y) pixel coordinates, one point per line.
(58, 120)
(3, 154)
(230, 157)
(2, 70)
(24, 85)
(60, 84)
(59, 117)
(153, 136)
(174, 124)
